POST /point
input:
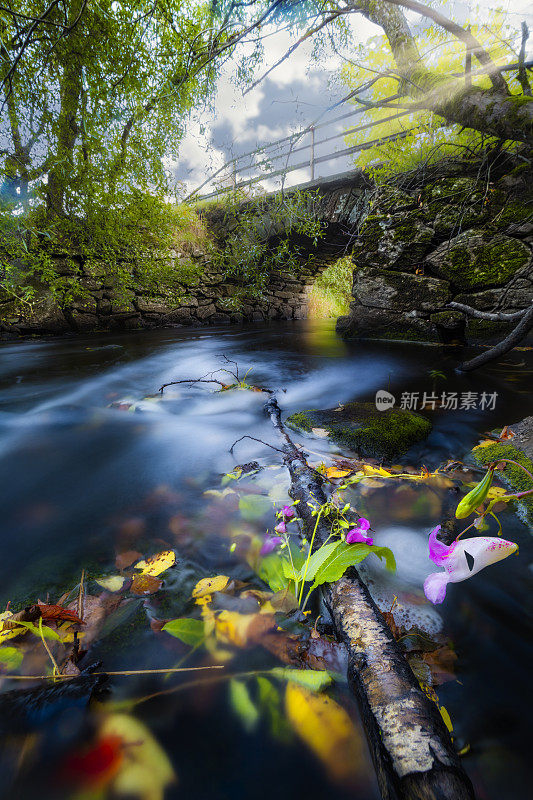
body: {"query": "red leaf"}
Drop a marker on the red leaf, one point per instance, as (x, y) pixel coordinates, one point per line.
(58, 614)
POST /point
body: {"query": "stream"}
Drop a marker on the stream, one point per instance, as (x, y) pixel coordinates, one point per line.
(83, 478)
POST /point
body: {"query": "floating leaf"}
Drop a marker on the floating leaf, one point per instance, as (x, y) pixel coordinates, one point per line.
(47, 632)
(209, 585)
(146, 771)
(189, 631)
(10, 657)
(113, 584)
(335, 472)
(145, 584)
(309, 678)
(58, 614)
(254, 506)
(242, 704)
(272, 569)
(446, 717)
(157, 564)
(327, 730)
(322, 433)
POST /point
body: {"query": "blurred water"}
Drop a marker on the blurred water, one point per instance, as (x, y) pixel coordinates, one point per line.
(74, 473)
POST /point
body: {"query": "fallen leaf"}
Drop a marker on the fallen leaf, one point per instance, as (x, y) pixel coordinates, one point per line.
(327, 730)
(335, 472)
(145, 584)
(127, 558)
(189, 631)
(145, 771)
(209, 585)
(10, 657)
(58, 614)
(157, 564)
(113, 583)
(442, 664)
(322, 433)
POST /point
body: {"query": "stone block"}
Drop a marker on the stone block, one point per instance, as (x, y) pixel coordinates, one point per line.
(399, 291)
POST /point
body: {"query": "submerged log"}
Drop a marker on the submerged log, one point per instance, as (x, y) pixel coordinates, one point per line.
(411, 748)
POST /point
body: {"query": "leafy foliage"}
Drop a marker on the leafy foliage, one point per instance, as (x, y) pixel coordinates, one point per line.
(426, 137)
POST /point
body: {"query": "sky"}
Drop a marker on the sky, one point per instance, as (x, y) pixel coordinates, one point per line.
(291, 98)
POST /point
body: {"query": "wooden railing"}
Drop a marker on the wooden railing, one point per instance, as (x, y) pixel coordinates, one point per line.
(228, 176)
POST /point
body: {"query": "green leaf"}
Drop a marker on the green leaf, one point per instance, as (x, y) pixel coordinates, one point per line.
(190, 631)
(272, 570)
(10, 657)
(309, 678)
(318, 558)
(344, 556)
(242, 704)
(254, 506)
(48, 633)
(387, 554)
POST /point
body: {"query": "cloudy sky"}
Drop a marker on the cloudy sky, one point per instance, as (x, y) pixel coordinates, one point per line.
(293, 96)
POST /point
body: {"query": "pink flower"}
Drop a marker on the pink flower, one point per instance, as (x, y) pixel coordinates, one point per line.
(270, 544)
(288, 512)
(357, 535)
(461, 560)
(281, 527)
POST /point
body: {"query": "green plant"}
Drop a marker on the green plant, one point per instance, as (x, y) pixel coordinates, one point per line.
(265, 235)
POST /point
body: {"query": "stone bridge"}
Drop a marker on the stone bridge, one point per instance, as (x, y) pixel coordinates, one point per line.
(415, 250)
(210, 298)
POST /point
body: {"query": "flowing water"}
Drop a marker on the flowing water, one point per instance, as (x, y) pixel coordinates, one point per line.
(82, 479)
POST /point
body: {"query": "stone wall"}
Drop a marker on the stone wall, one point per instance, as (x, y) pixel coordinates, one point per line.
(209, 297)
(450, 238)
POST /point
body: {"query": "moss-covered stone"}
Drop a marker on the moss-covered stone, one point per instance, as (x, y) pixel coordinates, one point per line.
(513, 476)
(361, 427)
(469, 261)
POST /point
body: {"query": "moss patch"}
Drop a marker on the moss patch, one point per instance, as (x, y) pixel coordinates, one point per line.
(469, 261)
(513, 477)
(361, 427)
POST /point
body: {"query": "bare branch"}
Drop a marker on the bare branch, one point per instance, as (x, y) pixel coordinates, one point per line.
(503, 347)
(490, 315)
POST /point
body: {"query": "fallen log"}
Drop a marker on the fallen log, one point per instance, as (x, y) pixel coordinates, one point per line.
(411, 748)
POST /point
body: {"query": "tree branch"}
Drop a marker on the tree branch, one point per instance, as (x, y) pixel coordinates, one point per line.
(503, 347)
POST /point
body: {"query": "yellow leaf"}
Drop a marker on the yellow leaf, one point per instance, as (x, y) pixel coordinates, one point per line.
(446, 717)
(145, 771)
(232, 627)
(8, 633)
(210, 585)
(335, 472)
(113, 584)
(157, 564)
(496, 491)
(484, 443)
(327, 730)
(370, 470)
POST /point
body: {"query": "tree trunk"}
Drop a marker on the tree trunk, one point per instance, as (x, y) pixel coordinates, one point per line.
(410, 745)
(67, 127)
(492, 111)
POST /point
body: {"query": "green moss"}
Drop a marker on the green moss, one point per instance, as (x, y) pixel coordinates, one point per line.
(471, 262)
(361, 427)
(512, 213)
(513, 477)
(486, 329)
(300, 420)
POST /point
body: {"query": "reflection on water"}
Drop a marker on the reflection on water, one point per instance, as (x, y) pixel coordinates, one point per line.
(82, 481)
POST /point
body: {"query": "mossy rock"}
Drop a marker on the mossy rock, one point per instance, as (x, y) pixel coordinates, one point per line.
(513, 477)
(361, 427)
(469, 261)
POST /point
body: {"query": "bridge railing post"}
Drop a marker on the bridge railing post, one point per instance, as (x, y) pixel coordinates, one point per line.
(312, 153)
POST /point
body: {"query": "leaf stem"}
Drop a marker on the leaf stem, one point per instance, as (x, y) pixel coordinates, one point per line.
(309, 556)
